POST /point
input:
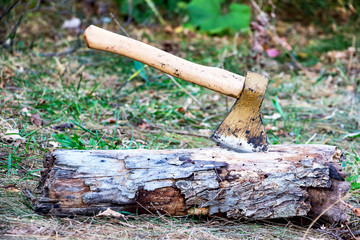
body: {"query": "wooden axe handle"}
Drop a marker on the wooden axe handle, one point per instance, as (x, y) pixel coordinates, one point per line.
(216, 79)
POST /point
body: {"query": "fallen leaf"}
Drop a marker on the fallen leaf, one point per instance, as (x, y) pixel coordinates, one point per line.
(25, 111)
(272, 128)
(11, 188)
(72, 23)
(205, 132)
(350, 88)
(111, 213)
(189, 115)
(280, 132)
(181, 109)
(144, 125)
(53, 144)
(168, 29)
(12, 135)
(62, 127)
(272, 52)
(41, 101)
(302, 55)
(111, 120)
(141, 141)
(355, 210)
(215, 97)
(179, 29)
(273, 117)
(36, 119)
(18, 142)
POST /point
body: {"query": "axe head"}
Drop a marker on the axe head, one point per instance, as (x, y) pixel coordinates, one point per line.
(242, 130)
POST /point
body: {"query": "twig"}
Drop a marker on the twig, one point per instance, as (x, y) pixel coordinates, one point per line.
(9, 9)
(119, 25)
(14, 29)
(312, 137)
(352, 234)
(178, 132)
(236, 36)
(190, 95)
(28, 194)
(155, 11)
(130, 12)
(69, 51)
(351, 54)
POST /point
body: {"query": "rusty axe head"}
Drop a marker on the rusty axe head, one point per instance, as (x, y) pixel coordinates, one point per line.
(243, 129)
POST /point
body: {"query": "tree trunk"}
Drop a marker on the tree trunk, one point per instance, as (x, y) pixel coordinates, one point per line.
(286, 181)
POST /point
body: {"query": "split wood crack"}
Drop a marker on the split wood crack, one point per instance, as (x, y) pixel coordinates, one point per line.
(285, 182)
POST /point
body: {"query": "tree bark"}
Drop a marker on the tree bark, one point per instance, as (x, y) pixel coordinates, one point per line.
(286, 181)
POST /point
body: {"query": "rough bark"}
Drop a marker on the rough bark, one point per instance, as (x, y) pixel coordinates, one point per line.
(287, 181)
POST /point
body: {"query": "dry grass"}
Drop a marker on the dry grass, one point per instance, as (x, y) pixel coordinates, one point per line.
(19, 222)
(320, 105)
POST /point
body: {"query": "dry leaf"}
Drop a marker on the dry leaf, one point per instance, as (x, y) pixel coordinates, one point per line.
(62, 127)
(189, 115)
(72, 23)
(111, 213)
(354, 209)
(25, 111)
(215, 97)
(181, 109)
(41, 101)
(12, 135)
(168, 29)
(205, 132)
(17, 142)
(271, 127)
(179, 29)
(272, 52)
(111, 120)
(141, 141)
(12, 188)
(144, 125)
(36, 119)
(273, 117)
(53, 144)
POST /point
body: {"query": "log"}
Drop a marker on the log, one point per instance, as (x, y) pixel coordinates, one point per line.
(287, 181)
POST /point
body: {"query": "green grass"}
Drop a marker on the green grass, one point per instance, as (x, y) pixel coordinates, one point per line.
(148, 110)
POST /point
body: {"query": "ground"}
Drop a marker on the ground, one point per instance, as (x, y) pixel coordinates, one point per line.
(57, 93)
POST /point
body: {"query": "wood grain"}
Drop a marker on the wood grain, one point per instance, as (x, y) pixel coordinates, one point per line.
(208, 181)
(216, 79)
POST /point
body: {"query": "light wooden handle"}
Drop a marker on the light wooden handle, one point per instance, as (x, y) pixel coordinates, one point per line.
(216, 79)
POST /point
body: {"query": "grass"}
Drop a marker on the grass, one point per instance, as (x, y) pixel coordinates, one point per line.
(114, 103)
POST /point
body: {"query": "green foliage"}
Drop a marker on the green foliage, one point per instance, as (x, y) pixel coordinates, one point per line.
(140, 11)
(74, 142)
(278, 108)
(140, 67)
(352, 166)
(208, 16)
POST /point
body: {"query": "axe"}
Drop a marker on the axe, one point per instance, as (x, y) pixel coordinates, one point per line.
(242, 130)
